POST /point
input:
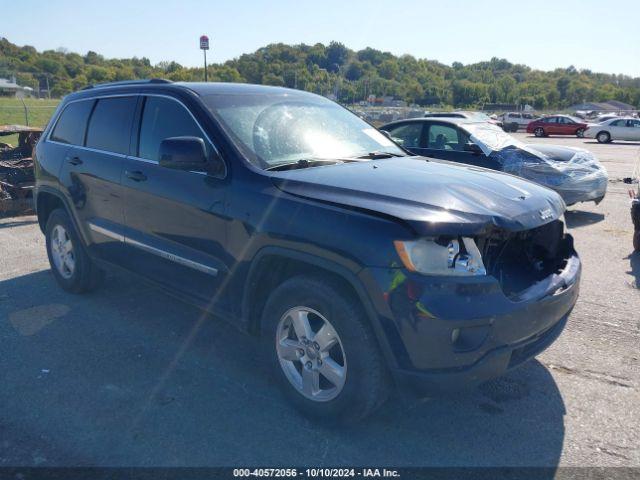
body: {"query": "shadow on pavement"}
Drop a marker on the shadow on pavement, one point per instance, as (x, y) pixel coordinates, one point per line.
(17, 223)
(130, 376)
(634, 262)
(616, 142)
(580, 218)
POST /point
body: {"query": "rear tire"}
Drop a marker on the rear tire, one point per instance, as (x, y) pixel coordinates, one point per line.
(71, 266)
(311, 328)
(603, 137)
(539, 132)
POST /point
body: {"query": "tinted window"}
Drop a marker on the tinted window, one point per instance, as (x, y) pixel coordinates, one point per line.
(407, 135)
(551, 120)
(72, 123)
(443, 137)
(618, 123)
(164, 118)
(110, 124)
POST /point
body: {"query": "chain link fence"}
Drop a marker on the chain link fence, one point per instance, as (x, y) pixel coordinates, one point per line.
(28, 111)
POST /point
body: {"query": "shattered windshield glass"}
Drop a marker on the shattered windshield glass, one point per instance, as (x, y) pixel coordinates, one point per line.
(490, 137)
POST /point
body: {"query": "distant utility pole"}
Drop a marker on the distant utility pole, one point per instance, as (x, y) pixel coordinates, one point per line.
(204, 46)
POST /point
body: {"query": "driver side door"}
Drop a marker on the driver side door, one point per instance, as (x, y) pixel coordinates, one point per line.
(449, 142)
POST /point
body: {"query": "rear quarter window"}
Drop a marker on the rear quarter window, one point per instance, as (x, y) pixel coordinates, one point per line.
(72, 124)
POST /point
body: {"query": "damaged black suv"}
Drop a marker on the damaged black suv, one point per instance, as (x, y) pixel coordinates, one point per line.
(359, 265)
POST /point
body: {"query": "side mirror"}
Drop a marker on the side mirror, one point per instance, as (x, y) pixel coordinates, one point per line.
(386, 134)
(184, 153)
(473, 148)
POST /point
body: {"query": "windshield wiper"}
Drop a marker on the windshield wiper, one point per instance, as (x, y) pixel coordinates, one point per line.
(302, 163)
(380, 154)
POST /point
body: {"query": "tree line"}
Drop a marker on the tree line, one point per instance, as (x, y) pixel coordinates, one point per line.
(335, 69)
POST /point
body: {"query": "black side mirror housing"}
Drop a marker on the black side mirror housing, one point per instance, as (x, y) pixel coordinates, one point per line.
(473, 148)
(189, 154)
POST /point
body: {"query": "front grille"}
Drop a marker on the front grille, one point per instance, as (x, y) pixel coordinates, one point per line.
(519, 260)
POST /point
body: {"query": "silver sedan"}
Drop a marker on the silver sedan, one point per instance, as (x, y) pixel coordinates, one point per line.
(624, 128)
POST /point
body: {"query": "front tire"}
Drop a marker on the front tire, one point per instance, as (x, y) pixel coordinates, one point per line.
(603, 137)
(539, 132)
(580, 133)
(71, 266)
(323, 351)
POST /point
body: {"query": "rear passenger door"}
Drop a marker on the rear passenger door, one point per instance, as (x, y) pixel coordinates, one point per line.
(551, 125)
(176, 231)
(92, 168)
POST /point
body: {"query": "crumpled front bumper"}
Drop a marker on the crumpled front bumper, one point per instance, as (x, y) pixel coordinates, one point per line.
(451, 333)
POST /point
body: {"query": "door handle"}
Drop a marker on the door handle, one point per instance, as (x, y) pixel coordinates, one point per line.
(136, 175)
(75, 161)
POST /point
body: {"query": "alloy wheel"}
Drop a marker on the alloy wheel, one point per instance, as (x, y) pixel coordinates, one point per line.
(311, 354)
(62, 252)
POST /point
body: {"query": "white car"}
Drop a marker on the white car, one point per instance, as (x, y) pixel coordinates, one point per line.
(626, 128)
(513, 121)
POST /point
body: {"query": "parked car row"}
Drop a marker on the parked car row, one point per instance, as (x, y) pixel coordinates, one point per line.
(359, 263)
(608, 128)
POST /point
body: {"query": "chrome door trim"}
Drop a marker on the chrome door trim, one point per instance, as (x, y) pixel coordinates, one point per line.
(201, 267)
(106, 232)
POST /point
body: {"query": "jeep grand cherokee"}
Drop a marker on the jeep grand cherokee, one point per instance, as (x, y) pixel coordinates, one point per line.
(358, 264)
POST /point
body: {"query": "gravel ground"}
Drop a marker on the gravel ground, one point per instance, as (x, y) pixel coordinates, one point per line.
(128, 376)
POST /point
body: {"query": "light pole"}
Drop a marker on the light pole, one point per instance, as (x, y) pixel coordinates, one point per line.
(204, 46)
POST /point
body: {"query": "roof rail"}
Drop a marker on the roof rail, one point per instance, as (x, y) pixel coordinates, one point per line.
(127, 82)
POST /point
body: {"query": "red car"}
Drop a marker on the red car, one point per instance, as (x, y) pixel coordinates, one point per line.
(557, 125)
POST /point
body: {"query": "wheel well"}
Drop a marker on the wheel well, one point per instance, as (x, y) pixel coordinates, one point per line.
(273, 270)
(47, 203)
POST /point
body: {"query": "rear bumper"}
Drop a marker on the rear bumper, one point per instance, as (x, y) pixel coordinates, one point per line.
(450, 333)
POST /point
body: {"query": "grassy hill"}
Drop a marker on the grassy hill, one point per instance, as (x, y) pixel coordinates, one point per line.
(334, 68)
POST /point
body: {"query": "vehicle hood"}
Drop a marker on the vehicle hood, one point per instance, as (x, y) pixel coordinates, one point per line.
(433, 197)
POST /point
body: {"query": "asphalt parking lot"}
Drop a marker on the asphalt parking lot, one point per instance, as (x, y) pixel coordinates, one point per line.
(129, 376)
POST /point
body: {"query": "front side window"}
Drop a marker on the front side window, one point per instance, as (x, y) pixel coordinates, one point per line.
(164, 118)
(407, 135)
(275, 129)
(72, 123)
(110, 124)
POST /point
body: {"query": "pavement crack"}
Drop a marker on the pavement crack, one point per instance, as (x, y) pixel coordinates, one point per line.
(592, 375)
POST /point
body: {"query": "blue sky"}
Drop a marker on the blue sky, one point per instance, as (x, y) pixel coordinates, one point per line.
(596, 34)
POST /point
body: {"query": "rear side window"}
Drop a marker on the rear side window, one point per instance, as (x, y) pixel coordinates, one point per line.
(164, 118)
(72, 123)
(110, 124)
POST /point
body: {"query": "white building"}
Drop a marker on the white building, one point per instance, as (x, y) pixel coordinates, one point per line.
(10, 87)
